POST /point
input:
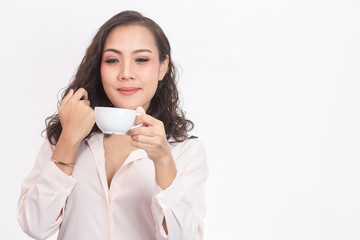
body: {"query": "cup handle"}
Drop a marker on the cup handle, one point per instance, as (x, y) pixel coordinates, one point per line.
(137, 114)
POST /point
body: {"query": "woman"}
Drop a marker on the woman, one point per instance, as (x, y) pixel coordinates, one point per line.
(148, 184)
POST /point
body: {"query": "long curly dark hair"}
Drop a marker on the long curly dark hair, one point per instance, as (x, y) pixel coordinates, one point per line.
(163, 106)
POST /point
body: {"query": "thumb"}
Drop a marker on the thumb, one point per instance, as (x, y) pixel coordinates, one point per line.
(140, 110)
(66, 98)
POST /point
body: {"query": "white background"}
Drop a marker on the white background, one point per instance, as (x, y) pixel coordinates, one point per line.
(273, 87)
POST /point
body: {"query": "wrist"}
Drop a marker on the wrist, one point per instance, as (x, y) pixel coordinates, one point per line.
(165, 173)
(165, 162)
(69, 138)
(66, 149)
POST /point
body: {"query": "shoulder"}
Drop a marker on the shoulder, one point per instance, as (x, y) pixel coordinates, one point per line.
(46, 145)
(191, 140)
(189, 155)
(192, 145)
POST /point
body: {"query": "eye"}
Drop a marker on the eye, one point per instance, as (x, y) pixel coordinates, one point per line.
(142, 60)
(112, 60)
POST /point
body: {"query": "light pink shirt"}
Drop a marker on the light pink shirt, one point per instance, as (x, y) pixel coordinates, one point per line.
(82, 207)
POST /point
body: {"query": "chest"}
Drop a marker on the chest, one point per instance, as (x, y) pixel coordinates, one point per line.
(126, 200)
(117, 149)
(114, 160)
(98, 170)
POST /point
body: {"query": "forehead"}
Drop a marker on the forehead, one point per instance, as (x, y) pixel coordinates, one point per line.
(129, 38)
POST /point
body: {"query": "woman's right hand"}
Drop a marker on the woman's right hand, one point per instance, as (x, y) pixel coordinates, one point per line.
(76, 116)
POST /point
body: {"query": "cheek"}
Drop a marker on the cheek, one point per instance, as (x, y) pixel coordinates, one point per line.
(151, 69)
(102, 71)
(105, 74)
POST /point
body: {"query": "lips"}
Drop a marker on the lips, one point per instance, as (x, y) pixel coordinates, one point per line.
(128, 90)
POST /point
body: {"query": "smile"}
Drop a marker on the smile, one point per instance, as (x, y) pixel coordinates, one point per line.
(128, 90)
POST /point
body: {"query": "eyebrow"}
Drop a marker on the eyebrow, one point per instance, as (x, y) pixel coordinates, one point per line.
(119, 52)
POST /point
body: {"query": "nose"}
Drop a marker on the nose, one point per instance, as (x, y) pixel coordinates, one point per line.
(126, 72)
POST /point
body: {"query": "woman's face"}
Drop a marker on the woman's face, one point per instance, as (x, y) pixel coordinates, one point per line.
(130, 67)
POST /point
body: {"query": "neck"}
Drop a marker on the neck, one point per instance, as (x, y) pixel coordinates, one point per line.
(118, 139)
(117, 142)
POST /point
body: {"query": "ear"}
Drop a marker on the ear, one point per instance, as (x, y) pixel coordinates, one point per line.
(163, 68)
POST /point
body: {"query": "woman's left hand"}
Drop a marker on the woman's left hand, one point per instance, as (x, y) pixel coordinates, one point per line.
(151, 137)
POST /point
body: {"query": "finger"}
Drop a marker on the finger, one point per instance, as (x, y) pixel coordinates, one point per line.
(146, 131)
(84, 97)
(146, 120)
(66, 98)
(140, 145)
(140, 110)
(143, 139)
(80, 94)
(86, 102)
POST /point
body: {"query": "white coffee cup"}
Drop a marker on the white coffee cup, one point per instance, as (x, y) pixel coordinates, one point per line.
(113, 120)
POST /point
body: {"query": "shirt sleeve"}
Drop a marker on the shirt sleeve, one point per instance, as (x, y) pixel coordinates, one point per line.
(43, 196)
(182, 204)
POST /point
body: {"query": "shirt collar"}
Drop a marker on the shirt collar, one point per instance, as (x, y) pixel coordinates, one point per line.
(96, 144)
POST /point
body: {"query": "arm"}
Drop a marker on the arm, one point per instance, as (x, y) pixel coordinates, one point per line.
(182, 204)
(178, 206)
(77, 119)
(43, 196)
(45, 190)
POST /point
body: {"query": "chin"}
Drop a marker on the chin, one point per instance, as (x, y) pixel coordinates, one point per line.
(126, 106)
